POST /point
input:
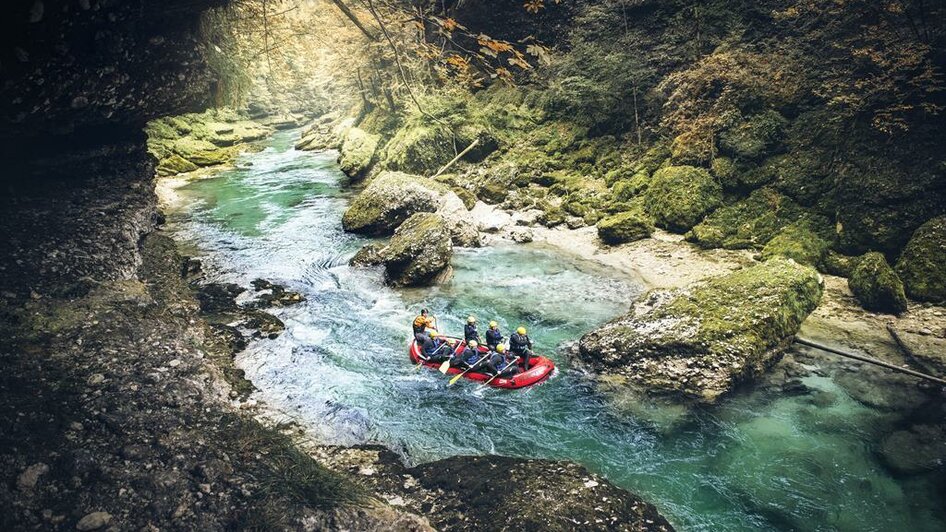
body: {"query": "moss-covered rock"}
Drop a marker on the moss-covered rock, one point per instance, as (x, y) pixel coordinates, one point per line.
(174, 164)
(725, 171)
(689, 148)
(835, 263)
(200, 152)
(922, 265)
(358, 152)
(625, 227)
(388, 200)
(755, 137)
(423, 148)
(876, 285)
(420, 249)
(701, 341)
(798, 242)
(678, 197)
(748, 223)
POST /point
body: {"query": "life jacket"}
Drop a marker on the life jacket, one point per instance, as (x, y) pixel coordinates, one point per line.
(470, 356)
(431, 345)
(421, 323)
(519, 343)
(494, 337)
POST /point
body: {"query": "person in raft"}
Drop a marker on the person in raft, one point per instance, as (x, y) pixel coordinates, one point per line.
(470, 334)
(521, 345)
(436, 349)
(501, 363)
(493, 336)
(470, 356)
(420, 325)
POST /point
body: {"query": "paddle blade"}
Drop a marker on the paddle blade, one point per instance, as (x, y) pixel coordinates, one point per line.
(444, 367)
(454, 379)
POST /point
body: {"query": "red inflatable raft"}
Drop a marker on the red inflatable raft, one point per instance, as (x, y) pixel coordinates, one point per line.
(540, 368)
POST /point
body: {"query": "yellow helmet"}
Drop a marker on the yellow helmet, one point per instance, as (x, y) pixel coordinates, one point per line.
(473, 343)
(521, 330)
(471, 319)
(493, 325)
(433, 334)
(500, 348)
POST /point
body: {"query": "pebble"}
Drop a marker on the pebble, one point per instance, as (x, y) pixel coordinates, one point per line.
(96, 379)
(926, 332)
(30, 476)
(175, 363)
(366, 471)
(94, 521)
(591, 484)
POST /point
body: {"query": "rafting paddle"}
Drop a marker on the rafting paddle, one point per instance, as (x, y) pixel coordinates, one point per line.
(458, 375)
(446, 363)
(500, 372)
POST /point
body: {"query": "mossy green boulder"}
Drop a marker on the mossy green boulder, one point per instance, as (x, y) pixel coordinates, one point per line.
(748, 223)
(678, 197)
(699, 342)
(798, 242)
(389, 199)
(922, 265)
(174, 164)
(358, 152)
(625, 227)
(876, 286)
(420, 249)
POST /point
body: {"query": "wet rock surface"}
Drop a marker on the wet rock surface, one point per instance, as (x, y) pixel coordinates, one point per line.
(497, 493)
(389, 200)
(701, 341)
(417, 254)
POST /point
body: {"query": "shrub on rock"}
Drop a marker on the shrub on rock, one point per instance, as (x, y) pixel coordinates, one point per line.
(679, 197)
(754, 138)
(388, 200)
(625, 227)
(358, 152)
(922, 265)
(700, 341)
(876, 285)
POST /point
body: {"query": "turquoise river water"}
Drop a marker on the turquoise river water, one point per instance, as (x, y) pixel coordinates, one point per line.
(760, 461)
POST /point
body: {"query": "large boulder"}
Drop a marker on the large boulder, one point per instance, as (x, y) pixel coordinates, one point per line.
(358, 152)
(625, 227)
(876, 285)
(700, 341)
(419, 251)
(680, 196)
(389, 199)
(798, 242)
(463, 230)
(922, 265)
(748, 223)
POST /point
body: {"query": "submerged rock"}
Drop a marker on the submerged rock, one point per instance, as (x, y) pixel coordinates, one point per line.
(625, 227)
(358, 152)
(389, 200)
(700, 341)
(877, 286)
(922, 265)
(680, 196)
(920, 449)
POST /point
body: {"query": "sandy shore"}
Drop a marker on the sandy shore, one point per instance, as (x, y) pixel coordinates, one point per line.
(667, 261)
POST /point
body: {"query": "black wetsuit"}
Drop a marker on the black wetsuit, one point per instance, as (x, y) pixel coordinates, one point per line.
(521, 345)
(470, 333)
(504, 364)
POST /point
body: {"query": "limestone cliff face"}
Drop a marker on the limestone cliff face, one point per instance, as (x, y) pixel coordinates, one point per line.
(98, 66)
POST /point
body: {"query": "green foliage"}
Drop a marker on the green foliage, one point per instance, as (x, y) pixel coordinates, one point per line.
(755, 137)
(876, 285)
